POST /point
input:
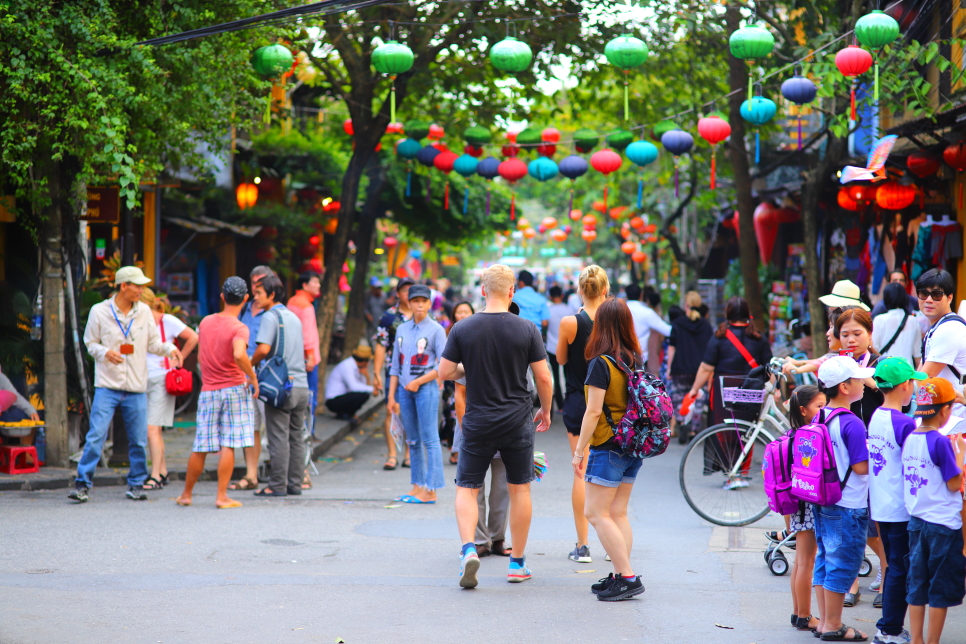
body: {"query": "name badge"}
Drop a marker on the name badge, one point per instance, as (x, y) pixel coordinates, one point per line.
(127, 349)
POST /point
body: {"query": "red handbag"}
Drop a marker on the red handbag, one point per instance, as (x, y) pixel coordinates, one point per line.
(178, 382)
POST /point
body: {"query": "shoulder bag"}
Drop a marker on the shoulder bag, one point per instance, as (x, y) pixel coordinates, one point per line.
(177, 382)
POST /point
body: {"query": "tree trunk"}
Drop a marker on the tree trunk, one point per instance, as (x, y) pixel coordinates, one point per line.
(738, 78)
(355, 325)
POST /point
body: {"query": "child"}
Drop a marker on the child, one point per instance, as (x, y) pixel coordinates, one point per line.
(888, 429)
(840, 529)
(932, 474)
(805, 404)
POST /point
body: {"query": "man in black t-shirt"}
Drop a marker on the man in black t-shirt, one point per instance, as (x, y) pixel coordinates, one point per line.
(493, 350)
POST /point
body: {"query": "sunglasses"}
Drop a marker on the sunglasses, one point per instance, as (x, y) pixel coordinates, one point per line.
(936, 295)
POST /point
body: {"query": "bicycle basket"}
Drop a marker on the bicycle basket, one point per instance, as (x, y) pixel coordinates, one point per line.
(739, 399)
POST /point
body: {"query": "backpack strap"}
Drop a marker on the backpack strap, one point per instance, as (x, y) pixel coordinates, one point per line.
(902, 325)
(946, 318)
(838, 411)
(741, 349)
(279, 336)
(623, 368)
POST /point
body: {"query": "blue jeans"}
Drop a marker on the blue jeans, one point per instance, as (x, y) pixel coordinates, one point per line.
(895, 541)
(840, 534)
(937, 567)
(420, 414)
(313, 378)
(134, 411)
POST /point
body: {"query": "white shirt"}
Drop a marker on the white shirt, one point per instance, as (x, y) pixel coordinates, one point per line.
(345, 378)
(885, 463)
(557, 313)
(855, 493)
(924, 489)
(645, 319)
(946, 343)
(907, 346)
(172, 329)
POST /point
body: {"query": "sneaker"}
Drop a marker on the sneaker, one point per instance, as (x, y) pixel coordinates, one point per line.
(877, 584)
(518, 572)
(621, 589)
(602, 584)
(735, 484)
(136, 493)
(79, 493)
(580, 554)
(469, 565)
(883, 638)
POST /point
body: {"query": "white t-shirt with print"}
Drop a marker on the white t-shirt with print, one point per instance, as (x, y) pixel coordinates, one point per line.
(946, 343)
(172, 329)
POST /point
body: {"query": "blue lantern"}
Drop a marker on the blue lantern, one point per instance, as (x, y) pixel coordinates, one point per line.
(427, 155)
(641, 153)
(488, 168)
(799, 90)
(677, 142)
(542, 169)
(573, 167)
(465, 166)
(758, 111)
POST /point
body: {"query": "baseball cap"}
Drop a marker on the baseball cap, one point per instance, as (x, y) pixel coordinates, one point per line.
(236, 286)
(844, 293)
(932, 395)
(132, 275)
(892, 372)
(838, 369)
(404, 282)
(375, 281)
(419, 290)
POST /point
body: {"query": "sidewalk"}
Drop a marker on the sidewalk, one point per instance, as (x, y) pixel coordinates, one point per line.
(178, 440)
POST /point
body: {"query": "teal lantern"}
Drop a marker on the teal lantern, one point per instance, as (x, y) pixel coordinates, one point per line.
(758, 111)
(620, 139)
(408, 149)
(392, 58)
(477, 136)
(750, 43)
(511, 55)
(542, 169)
(416, 129)
(465, 166)
(641, 153)
(271, 61)
(626, 52)
(876, 30)
(585, 139)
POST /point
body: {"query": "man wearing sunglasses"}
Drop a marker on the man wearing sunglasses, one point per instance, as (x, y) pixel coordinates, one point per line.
(943, 346)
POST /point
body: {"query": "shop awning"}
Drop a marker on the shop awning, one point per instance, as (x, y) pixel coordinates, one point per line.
(952, 117)
(202, 224)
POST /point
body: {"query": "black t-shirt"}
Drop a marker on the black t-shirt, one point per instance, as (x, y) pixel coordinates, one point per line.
(496, 349)
(725, 357)
(690, 340)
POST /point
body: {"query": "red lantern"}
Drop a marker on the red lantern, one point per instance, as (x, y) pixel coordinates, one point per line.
(511, 137)
(846, 201)
(332, 206)
(788, 215)
(862, 194)
(638, 257)
(605, 161)
(629, 247)
(766, 228)
(618, 212)
(513, 169)
(853, 61)
(473, 151)
(546, 150)
(549, 222)
(347, 127)
(599, 206)
(714, 130)
(550, 135)
(649, 228)
(436, 132)
(626, 233)
(442, 147)
(390, 242)
(444, 161)
(955, 157)
(315, 240)
(576, 215)
(246, 194)
(589, 220)
(636, 222)
(510, 150)
(922, 165)
(567, 229)
(331, 226)
(394, 128)
(892, 195)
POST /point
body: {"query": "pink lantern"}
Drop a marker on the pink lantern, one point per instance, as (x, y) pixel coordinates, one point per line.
(766, 229)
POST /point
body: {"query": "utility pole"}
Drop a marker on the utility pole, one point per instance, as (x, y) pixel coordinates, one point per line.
(55, 366)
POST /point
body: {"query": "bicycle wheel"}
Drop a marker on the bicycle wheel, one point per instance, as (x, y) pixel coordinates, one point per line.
(704, 476)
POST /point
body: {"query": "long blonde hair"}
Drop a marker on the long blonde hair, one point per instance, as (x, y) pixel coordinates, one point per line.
(152, 301)
(693, 300)
(593, 283)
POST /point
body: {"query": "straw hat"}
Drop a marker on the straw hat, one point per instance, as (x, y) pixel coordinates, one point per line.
(844, 293)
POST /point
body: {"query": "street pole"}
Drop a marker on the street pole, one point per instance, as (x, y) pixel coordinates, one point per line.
(55, 366)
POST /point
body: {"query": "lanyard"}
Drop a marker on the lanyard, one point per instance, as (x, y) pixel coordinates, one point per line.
(121, 326)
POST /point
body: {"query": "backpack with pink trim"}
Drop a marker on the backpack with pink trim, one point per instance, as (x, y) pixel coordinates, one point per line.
(776, 471)
(645, 429)
(815, 474)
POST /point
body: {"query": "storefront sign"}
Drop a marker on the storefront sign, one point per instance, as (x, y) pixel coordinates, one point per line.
(103, 205)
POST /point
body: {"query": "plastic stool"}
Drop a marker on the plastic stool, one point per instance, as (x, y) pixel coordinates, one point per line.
(13, 459)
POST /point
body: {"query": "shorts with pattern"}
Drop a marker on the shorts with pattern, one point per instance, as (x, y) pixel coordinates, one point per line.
(799, 523)
(226, 418)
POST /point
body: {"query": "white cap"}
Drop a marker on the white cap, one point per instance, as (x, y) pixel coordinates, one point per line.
(131, 274)
(838, 369)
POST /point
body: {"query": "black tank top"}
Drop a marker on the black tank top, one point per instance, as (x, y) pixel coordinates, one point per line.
(576, 368)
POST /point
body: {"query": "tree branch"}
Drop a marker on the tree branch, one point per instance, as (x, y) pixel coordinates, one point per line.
(665, 230)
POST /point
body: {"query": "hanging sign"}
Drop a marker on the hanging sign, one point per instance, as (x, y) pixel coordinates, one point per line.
(103, 205)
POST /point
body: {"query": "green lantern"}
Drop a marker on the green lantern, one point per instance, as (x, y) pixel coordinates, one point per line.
(271, 61)
(876, 30)
(620, 139)
(626, 52)
(511, 55)
(664, 126)
(477, 136)
(529, 136)
(586, 139)
(751, 42)
(416, 129)
(392, 58)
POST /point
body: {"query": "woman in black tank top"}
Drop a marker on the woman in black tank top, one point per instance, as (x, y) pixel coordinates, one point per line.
(593, 287)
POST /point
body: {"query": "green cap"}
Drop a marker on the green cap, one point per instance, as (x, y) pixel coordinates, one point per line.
(892, 372)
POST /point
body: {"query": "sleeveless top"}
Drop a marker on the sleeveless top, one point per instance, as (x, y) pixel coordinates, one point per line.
(576, 368)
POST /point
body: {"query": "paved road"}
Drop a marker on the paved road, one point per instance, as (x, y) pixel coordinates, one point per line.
(337, 563)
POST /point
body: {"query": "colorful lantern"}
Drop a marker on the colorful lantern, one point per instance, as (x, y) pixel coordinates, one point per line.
(523, 223)
(394, 128)
(546, 149)
(589, 221)
(639, 257)
(390, 242)
(799, 90)
(576, 215)
(922, 164)
(641, 153)
(605, 162)
(853, 61)
(626, 52)
(617, 212)
(392, 58)
(510, 150)
(477, 136)
(513, 170)
(272, 62)
(636, 222)
(845, 201)
(550, 135)
(758, 111)
(572, 167)
(473, 151)
(542, 169)
(511, 55)
(628, 247)
(347, 127)
(751, 43)
(876, 30)
(664, 126)
(465, 166)
(246, 195)
(585, 139)
(620, 139)
(488, 168)
(862, 194)
(558, 235)
(766, 229)
(436, 133)
(955, 156)
(416, 129)
(892, 195)
(528, 137)
(427, 155)
(529, 233)
(444, 162)
(408, 149)
(677, 142)
(549, 222)
(714, 130)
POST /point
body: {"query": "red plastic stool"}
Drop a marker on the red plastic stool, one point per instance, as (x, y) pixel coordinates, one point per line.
(14, 458)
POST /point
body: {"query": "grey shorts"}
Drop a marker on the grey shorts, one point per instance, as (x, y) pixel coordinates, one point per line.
(160, 403)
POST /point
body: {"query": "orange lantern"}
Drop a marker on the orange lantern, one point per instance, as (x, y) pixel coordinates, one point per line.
(331, 226)
(589, 220)
(845, 201)
(626, 233)
(618, 212)
(636, 222)
(558, 235)
(589, 235)
(575, 215)
(529, 233)
(549, 222)
(639, 256)
(523, 224)
(649, 228)
(246, 194)
(892, 195)
(629, 247)
(599, 206)
(862, 194)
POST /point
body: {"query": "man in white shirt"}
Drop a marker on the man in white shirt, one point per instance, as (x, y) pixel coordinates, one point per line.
(120, 333)
(943, 348)
(348, 388)
(558, 311)
(645, 318)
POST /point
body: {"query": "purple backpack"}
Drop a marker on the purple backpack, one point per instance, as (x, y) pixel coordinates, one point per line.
(776, 470)
(645, 429)
(815, 475)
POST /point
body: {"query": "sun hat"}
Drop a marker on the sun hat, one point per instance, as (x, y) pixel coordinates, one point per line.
(844, 293)
(932, 394)
(838, 369)
(132, 275)
(362, 352)
(893, 371)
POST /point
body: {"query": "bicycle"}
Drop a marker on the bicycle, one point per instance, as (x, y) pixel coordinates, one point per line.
(734, 450)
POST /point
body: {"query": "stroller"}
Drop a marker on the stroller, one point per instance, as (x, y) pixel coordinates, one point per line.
(777, 562)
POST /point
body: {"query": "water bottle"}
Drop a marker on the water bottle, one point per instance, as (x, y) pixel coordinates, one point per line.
(37, 327)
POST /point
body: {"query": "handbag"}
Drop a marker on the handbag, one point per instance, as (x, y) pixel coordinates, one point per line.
(274, 384)
(177, 382)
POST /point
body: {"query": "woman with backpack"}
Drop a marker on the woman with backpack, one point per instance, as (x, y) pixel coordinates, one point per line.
(610, 474)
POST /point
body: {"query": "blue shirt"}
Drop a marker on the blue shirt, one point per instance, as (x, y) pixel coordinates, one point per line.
(533, 306)
(253, 321)
(418, 348)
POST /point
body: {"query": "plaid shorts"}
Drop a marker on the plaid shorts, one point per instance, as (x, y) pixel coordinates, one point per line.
(226, 418)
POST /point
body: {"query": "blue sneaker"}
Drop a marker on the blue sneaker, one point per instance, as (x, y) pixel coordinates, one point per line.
(469, 565)
(518, 572)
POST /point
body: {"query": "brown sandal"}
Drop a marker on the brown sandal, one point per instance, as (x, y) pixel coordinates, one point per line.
(244, 483)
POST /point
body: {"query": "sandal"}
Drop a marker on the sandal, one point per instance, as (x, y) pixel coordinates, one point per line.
(839, 635)
(306, 482)
(152, 484)
(405, 463)
(851, 599)
(803, 623)
(390, 463)
(164, 480)
(453, 458)
(244, 483)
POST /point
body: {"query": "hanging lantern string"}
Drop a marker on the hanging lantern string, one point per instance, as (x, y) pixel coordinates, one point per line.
(466, 198)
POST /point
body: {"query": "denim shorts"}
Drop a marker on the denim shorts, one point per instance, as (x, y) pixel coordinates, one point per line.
(611, 468)
(937, 568)
(840, 534)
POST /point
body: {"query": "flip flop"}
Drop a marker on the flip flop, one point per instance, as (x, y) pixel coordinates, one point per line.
(412, 499)
(404, 498)
(233, 504)
(387, 466)
(183, 504)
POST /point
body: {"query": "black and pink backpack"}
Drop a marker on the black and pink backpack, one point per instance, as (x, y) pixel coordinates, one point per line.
(645, 429)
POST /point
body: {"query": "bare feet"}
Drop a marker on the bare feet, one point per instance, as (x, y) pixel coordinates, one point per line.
(426, 495)
(183, 500)
(227, 504)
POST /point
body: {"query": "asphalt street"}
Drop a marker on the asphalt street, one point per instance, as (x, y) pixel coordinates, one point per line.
(343, 562)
